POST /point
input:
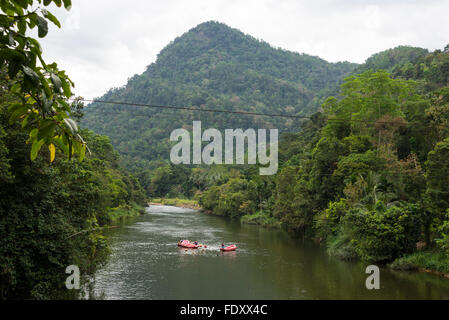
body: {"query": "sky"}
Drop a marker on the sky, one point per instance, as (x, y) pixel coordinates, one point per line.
(102, 43)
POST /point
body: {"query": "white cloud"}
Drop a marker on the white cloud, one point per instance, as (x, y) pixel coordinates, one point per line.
(104, 42)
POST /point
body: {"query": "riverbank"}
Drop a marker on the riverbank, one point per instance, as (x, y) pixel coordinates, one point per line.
(432, 262)
(261, 219)
(257, 218)
(125, 212)
(182, 203)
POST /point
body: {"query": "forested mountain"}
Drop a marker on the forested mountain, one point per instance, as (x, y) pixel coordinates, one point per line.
(368, 176)
(393, 58)
(212, 66)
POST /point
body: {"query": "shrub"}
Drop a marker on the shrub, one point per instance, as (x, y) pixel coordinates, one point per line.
(328, 222)
(437, 261)
(383, 234)
(443, 241)
(342, 247)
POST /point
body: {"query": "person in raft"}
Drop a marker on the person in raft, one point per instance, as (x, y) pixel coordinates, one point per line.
(195, 243)
(222, 245)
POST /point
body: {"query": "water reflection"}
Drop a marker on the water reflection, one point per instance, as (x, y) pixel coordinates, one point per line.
(146, 263)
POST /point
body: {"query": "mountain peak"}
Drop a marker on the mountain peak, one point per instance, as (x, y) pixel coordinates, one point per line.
(211, 25)
(214, 34)
(222, 68)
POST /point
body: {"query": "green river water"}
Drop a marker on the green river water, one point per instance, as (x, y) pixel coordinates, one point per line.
(269, 264)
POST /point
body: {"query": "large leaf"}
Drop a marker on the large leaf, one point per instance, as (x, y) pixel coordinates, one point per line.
(51, 17)
(66, 87)
(37, 144)
(17, 114)
(34, 77)
(82, 153)
(56, 82)
(42, 27)
(67, 4)
(46, 130)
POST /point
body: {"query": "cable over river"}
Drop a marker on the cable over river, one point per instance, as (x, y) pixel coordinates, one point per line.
(269, 264)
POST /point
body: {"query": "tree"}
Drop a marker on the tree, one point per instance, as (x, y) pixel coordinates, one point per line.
(437, 174)
(42, 89)
(383, 234)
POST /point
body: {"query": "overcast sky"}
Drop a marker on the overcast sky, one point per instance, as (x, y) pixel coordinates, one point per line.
(104, 42)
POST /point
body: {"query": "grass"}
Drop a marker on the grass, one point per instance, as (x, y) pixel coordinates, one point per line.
(177, 202)
(122, 213)
(431, 260)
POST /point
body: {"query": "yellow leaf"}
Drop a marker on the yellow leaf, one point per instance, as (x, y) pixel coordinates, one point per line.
(52, 149)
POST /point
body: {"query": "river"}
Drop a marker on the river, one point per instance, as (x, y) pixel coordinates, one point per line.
(146, 263)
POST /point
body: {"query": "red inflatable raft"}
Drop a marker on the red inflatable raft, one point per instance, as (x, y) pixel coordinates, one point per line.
(229, 248)
(187, 244)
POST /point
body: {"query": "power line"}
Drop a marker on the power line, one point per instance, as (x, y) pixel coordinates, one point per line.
(229, 111)
(195, 109)
(241, 113)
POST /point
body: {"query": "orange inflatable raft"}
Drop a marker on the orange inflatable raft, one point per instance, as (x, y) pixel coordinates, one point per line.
(229, 248)
(187, 244)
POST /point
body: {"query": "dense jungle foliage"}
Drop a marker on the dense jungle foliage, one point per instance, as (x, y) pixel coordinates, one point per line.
(51, 213)
(372, 187)
(53, 206)
(216, 67)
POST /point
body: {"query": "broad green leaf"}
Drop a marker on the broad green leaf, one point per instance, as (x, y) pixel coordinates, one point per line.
(25, 121)
(76, 146)
(42, 26)
(36, 146)
(17, 114)
(67, 4)
(47, 103)
(35, 45)
(66, 87)
(46, 130)
(56, 82)
(34, 77)
(10, 54)
(59, 142)
(33, 133)
(51, 17)
(22, 3)
(15, 88)
(32, 22)
(82, 153)
(70, 149)
(22, 26)
(13, 68)
(14, 107)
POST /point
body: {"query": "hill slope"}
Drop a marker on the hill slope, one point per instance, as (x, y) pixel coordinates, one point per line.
(212, 66)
